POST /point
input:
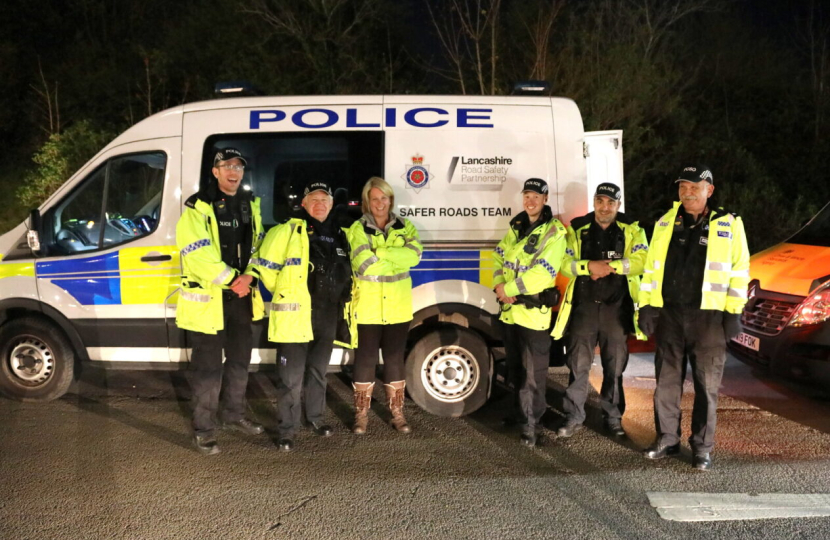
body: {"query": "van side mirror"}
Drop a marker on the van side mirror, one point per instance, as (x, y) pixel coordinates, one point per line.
(33, 236)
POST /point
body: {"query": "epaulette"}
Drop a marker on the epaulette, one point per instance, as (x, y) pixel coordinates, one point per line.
(622, 218)
(579, 222)
(721, 211)
(191, 201)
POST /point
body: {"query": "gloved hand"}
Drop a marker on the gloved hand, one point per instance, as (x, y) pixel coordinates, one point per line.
(647, 320)
(731, 325)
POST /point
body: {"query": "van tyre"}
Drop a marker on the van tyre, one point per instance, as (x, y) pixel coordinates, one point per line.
(37, 362)
(448, 372)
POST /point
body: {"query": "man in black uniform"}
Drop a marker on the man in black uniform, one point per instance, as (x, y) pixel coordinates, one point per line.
(216, 303)
(302, 366)
(605, 257)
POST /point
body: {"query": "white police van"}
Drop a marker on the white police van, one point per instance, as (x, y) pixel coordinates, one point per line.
(93, 275)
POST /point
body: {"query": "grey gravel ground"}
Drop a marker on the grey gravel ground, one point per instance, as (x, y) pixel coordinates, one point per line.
(112, 460)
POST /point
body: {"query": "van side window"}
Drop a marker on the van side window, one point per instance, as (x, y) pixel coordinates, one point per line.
(281, 164)
(119, 202)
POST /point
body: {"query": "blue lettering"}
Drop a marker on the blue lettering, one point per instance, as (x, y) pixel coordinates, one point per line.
(297, 118)
(258, 117)
(410, 119)
(391, 120)
(351, 120)
(464, 117)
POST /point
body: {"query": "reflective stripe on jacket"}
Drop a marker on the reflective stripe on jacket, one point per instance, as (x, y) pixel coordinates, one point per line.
(726, 276)
(381, 261)
(283, 267)
(631, 266)
(529, 271)
(204, 275)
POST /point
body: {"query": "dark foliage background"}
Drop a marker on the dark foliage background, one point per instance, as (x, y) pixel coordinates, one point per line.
(741, 85)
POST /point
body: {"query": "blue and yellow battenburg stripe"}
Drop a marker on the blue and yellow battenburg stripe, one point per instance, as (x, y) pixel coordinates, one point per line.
(469, 265)
(121, 277)
(118, 277)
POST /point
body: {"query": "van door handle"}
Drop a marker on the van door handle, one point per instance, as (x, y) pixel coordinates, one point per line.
(156, 257)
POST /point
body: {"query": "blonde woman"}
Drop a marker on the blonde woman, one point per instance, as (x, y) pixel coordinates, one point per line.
(384, 247)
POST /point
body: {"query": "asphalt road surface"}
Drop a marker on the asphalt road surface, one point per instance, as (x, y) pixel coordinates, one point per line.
(112, 460)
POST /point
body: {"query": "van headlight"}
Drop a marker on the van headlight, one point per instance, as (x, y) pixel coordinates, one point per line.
(814, 309)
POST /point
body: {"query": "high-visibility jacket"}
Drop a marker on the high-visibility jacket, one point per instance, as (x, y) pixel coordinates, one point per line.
(204, 274)
(631, 265)
(283, 267)
(726, 276)
(528, 265)
(381, 260)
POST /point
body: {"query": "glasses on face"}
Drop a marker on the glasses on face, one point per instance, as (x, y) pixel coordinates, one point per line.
(236, 168)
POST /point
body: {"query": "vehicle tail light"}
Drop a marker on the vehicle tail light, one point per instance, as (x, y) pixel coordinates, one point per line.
(814, 309)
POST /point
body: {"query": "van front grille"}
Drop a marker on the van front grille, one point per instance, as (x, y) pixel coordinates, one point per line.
(768, 317)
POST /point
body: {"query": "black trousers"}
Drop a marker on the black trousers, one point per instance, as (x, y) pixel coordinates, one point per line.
(595, 323)
(528, 359)
(697, 335)
(302, 369)
(387, 338)
(209, 375)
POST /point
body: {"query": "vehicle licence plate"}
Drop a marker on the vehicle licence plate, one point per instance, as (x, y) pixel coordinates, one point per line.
(750, 342)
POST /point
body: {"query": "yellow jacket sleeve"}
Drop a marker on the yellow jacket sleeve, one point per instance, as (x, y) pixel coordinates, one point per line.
(204, 261)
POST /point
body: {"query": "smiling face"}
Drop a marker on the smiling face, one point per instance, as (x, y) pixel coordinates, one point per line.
(605, 209)
(533, 204)
(318, 204)
(694, 196)
(229, 175)
(379, 205)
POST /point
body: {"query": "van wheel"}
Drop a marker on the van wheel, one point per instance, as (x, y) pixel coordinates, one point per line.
(448, 372)
(38, 362)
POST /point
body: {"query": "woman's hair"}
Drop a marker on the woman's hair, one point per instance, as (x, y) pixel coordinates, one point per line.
(383, 186)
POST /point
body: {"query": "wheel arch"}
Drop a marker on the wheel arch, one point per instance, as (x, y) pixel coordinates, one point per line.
(459, 314)
(14, 308)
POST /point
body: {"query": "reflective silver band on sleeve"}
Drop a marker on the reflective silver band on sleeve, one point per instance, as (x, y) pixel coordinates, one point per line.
(719, 266)
(498, 273)
(384, 279)
(285, 307)
(574, 267)
(520, 284)
(626, 266)
(223, 276)
(708, 286)
(414, 248)
(737, 293)
(360, 249)
(367, 263)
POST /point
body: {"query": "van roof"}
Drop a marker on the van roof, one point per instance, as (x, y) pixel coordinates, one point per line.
(168, 123)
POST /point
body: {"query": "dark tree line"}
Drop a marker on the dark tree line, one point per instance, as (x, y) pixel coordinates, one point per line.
(742, 85)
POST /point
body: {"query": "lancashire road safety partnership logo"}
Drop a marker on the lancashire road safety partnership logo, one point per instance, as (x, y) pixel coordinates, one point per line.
(417, 174)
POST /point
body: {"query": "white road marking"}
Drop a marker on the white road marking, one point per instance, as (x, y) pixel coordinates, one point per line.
(737, 506)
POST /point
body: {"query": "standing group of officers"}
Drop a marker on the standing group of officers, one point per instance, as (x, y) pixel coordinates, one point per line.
(349, 284)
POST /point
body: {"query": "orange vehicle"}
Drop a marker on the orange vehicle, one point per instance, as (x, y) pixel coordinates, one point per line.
(787, 319)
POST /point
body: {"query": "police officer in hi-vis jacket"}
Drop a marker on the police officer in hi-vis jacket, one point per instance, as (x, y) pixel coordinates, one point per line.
(219, 230)
(692, 294)
(604, 261)
(305, 264)
(527, 261)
